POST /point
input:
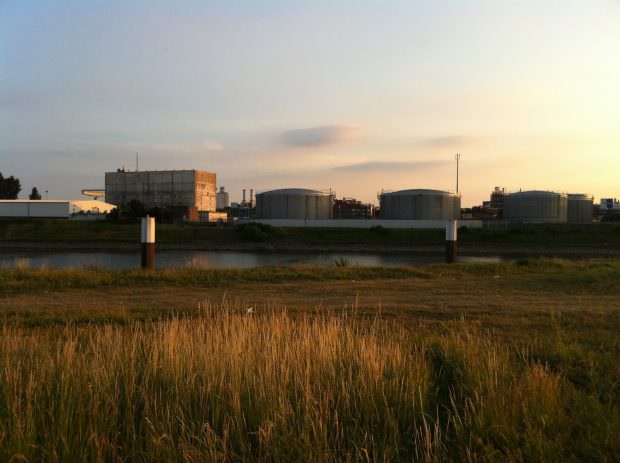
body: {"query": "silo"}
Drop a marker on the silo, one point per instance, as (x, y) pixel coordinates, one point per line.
(420, 204)
(580, 208)
(536, 207)
(295, 203)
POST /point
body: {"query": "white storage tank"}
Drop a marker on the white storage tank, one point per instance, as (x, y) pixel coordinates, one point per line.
(295, 203)
(420, 204)
(580, 208)
(536, 207)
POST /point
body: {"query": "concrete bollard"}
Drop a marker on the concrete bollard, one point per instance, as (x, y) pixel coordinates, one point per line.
(451, 240)
(148, 242)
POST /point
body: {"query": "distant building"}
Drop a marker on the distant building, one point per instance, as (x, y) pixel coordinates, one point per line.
(610, 205)
(492, 209)
(497, 198)
(350, 208)
(222, 200)
(52, 209)
(241, 211)
(163, 188)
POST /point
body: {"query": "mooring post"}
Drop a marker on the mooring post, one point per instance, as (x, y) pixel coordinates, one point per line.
(148, 242)
(451, 238)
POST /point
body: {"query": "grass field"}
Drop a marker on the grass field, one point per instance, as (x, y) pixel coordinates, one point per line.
(500, 362)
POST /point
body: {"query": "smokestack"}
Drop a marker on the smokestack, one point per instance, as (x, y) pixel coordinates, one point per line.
(252, 197)
(243, 202)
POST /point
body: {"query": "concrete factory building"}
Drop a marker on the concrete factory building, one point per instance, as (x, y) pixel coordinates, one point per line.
(295, 203)
(420, 204)
(222, 200)
(536, 207)
(51, 209)
(163, 188)
(580, 208)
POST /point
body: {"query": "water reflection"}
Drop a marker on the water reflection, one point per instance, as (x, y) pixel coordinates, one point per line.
(215, 259)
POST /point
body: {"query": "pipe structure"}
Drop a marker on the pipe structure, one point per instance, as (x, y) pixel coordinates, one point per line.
(451, 240)
(147, 237)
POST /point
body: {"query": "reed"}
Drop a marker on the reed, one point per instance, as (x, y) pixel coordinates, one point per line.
(229, 385)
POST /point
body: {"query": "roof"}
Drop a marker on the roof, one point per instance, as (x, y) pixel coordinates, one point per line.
(421, 191)
(582, 196)
(54, 201)
(537, 193)
(294, 191)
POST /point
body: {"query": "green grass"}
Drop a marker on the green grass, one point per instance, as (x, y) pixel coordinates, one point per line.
(549, 274)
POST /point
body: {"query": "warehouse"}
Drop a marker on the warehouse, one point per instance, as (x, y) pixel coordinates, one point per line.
(536, 207)
(295, 203)
(163, 188)
(420, 204)
(51, 209)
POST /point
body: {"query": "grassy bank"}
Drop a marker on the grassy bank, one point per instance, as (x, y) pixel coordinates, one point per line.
(552, 274)
(111, 235)
(231, 387)
(502, 362)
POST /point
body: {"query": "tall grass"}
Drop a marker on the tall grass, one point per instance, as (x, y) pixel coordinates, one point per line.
(228, 386)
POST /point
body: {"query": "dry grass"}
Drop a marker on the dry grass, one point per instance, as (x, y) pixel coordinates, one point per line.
(228, 386)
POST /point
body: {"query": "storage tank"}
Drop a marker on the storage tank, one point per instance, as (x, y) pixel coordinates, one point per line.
(295, 203)
(420, 204)
(536, 207)
(580, 208)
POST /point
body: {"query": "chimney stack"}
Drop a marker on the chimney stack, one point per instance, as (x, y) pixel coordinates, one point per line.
(243, 202)
(251, 197)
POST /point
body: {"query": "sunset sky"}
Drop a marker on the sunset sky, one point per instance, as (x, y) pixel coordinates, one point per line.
(350, 95)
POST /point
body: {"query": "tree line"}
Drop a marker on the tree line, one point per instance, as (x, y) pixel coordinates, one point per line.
(11, 186)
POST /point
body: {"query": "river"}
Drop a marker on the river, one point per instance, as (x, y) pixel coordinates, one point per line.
(215, 259)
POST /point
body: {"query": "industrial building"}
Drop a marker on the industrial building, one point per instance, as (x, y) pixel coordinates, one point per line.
(222, 200)
(350, 208)
(609, 205)
(420, 204)
(51, 209)
(580, 208)
(536, 207)
(163, 188)
(295, 203)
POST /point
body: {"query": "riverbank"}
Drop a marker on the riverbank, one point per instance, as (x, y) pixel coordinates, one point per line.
(491, 362)
(543, 240)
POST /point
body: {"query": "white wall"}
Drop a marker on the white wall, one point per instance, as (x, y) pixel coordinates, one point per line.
(361, 223)
(42, 209)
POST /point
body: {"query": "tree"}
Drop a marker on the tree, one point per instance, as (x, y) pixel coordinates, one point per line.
(35, 193)
(9, 187)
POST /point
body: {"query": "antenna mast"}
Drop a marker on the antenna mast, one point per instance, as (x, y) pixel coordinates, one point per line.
(136, 161)
(457, 158)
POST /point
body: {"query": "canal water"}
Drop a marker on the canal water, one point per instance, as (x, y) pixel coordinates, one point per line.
(216, 259)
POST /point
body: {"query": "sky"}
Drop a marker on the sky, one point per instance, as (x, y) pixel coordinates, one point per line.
(354, 95)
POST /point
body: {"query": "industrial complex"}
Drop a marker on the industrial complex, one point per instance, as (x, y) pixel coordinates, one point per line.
(192, 195)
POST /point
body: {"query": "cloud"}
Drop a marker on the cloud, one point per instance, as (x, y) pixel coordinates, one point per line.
(320, 136)
(391, 166)
(447, 141)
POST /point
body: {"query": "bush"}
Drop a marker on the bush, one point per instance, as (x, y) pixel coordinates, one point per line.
(255, 232)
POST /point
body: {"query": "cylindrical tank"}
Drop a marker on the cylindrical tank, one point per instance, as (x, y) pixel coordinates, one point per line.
(419, 204)
(295, 203)
(536, 207)
(580, 208)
